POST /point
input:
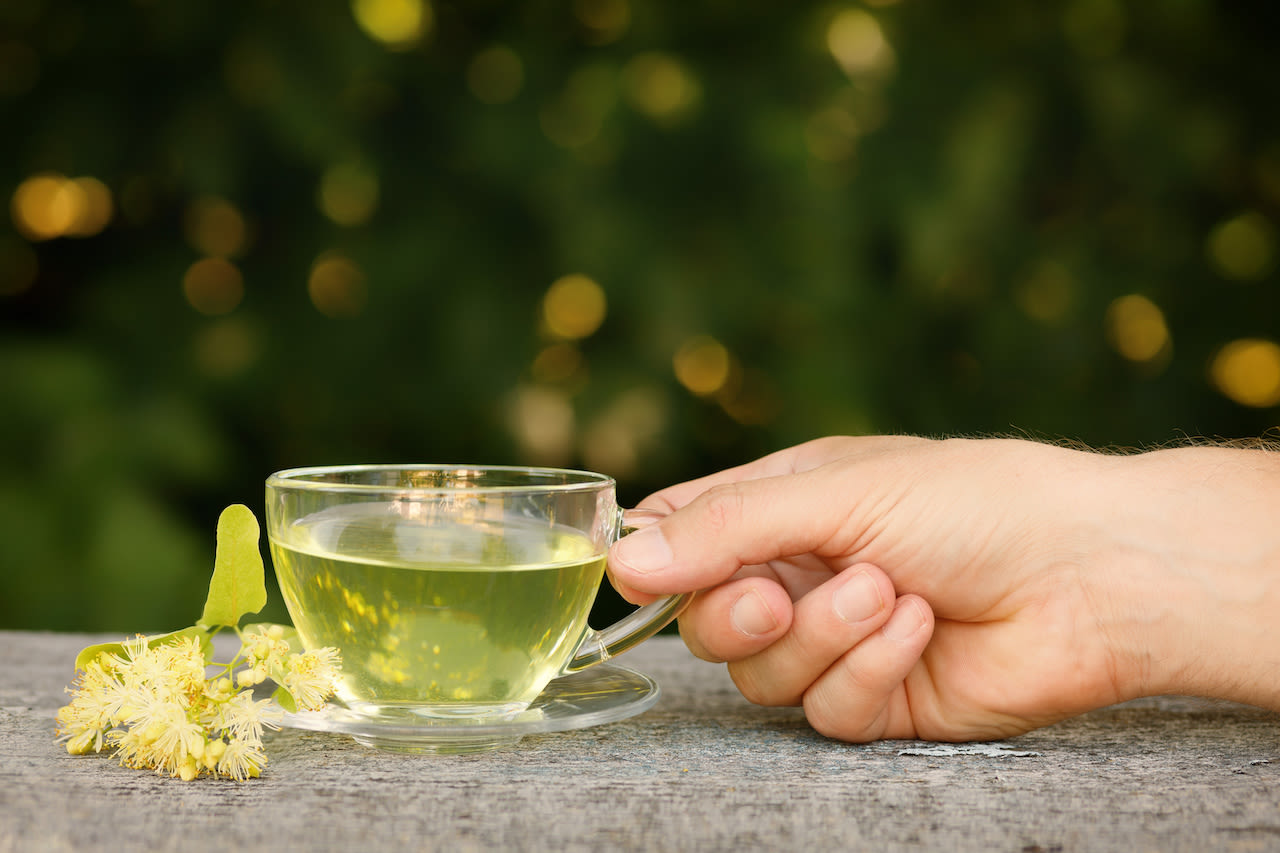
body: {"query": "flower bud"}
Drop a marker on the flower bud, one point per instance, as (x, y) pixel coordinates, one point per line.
(79, 745)
(195, 745)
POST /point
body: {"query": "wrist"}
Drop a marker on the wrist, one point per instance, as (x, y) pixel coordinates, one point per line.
(1191, 574)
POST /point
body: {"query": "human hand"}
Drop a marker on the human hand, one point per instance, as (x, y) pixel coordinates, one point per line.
(955, 590)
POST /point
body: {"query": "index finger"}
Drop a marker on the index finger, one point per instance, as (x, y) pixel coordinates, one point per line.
(727, 527)
(782, 505)
(792, 460)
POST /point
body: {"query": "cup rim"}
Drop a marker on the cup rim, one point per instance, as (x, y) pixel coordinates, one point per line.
(300, 479)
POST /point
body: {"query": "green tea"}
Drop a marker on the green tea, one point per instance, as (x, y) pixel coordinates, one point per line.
(438, 617)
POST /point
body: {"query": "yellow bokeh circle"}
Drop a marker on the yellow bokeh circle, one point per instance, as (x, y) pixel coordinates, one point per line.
(1248, 371)
(702, 364)
(49, 205)
(213, 286)
(398, 24)
(1136, 328)
(574, 307)
(337, 286)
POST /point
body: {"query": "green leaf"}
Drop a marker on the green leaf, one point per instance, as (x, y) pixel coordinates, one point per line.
(91, 653)
(238, 586)
(285, 700)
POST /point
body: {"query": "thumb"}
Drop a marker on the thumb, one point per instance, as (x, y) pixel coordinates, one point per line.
(733, 525)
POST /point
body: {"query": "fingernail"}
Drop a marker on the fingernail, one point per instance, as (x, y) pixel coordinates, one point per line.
(644, 551)
(751, 615)
(858, 599)
(905, 621)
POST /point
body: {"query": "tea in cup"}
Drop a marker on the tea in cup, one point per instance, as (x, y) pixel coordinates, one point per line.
(451, 592)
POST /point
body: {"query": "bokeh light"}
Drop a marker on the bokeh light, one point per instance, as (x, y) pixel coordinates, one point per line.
(750, 397)
(618, 438)
(397, 24)
(832, 134)
(254, 73)
(337, 286)
(43, 207)
(543, 423)
(215, 227)
(1248, 371)
(662, 86)
(702, 364)
(1243, 247)
(604, 21)
(575, 117)
(226, 348)
(213, 286)
(1136, 328)
(50, 205)
(558, 364)
(96, 207)
(495, 75)
(858, 44)
(1047, 294)
(573, 307)
(348, 193)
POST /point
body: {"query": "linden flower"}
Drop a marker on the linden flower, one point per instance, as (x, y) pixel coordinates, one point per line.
(154, 704)
(242, 759)
(312, 677)
(265, 646)
(243, 717)
(184, 662)
(137, 660)
(93, 708)
(169, 737)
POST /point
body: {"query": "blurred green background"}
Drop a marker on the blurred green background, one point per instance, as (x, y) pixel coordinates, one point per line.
(651, 239)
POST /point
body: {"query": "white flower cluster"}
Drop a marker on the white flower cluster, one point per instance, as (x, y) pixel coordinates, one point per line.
(156, 707)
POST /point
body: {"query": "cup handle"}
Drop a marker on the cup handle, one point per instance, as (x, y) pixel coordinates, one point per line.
(633, 629)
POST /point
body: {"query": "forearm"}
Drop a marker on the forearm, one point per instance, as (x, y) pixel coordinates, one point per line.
(1191, 574)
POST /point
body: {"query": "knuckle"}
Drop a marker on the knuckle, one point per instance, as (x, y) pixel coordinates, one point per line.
(724, 507)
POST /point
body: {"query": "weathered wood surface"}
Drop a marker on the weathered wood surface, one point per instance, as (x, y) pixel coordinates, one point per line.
(703, 770)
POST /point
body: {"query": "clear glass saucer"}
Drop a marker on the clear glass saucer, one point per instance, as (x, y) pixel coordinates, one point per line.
(605, 693)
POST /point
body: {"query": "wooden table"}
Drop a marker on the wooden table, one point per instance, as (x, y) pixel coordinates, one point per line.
(702, 770)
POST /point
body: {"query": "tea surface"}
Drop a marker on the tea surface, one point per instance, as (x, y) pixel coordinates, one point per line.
(438, 617)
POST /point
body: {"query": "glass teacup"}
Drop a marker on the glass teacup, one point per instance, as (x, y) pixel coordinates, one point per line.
(454, 592)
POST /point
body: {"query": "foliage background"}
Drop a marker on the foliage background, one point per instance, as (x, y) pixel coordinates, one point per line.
(332, 232)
